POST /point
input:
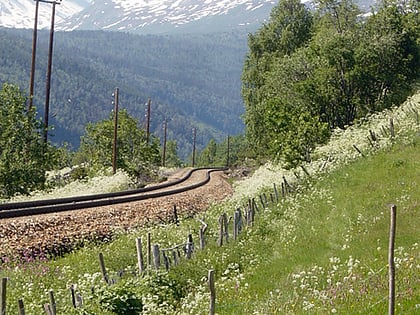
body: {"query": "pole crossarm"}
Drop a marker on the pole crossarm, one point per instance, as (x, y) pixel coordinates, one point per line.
(49, 1)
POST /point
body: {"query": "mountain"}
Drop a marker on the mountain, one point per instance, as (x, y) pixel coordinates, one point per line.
(177, 16)
(168, 16)
(146, 16)
(21, 13)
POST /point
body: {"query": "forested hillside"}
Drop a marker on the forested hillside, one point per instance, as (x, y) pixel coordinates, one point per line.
(194, 81)
(308, 73)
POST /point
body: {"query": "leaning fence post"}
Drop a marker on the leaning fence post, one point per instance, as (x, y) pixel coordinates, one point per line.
(276, 193)
(391, 263)
(262, 201)
(212, 292)
(139, 255)
(21, 307)
(73, 296)
(103, 269)
(3, 296)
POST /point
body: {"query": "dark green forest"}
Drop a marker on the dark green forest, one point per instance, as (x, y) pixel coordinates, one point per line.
(192, 80)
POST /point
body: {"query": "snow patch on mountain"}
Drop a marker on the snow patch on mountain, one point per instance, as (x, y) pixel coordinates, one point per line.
(167, 15)
(21, 13)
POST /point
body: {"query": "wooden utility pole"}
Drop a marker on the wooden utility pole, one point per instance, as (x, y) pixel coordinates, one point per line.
(193, 152)
(148, 121)
(228, 151)
(34, 41)
(48, 83)
(391, 262)
(165, 128)
(114, 150)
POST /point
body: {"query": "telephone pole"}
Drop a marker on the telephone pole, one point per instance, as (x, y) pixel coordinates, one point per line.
(34, 41)
(48, 83)
(114, 148)
(165, 128)
(148, 121)
(194, 139)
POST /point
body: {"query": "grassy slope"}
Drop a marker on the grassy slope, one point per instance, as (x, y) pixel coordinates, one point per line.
(345, 215)
(325, 250)
(322, 250)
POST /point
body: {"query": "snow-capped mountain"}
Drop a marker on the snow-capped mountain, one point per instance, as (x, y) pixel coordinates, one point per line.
(160, 16)
(143, 16)
(21, 13)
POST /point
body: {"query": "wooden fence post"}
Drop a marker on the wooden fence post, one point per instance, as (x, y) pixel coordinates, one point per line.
(165, 260)
(21, 307)
(201, 235)
(391, 263)
(156, 256)
(176, 216)
(391, 128)
(276, 193)
(235, 225)
(190, 246)
(221, 225)
(226, 227)
(287, 186)
(175, 257)
(140, 261)
(149, 250)
(212, 293)
(262, 201)
(73, 296)
(103, 269)
(52, 303)
(47, 309)
(3, 296)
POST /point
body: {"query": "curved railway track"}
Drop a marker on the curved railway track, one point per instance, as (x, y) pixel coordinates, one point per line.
(19, 209)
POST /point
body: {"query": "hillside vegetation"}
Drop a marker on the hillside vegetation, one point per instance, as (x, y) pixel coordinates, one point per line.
(321, 249)
(192, 80)
(307, 72)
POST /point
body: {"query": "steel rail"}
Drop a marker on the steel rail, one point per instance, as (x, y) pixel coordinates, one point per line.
(45, 202)
(98, 200)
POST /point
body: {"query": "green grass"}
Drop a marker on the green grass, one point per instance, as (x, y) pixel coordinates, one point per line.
(345, 214)
(321, 250)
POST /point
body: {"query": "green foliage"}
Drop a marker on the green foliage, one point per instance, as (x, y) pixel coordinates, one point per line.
(320, 250)
(171, 158)
(144, 294)
(233, 151)
(134, 155)
(342, 69)
(119, 299)
(23, 156)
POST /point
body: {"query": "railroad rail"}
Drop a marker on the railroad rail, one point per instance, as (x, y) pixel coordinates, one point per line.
(27, 208)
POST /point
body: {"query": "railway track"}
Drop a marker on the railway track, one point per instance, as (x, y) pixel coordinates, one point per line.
(27, 208)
